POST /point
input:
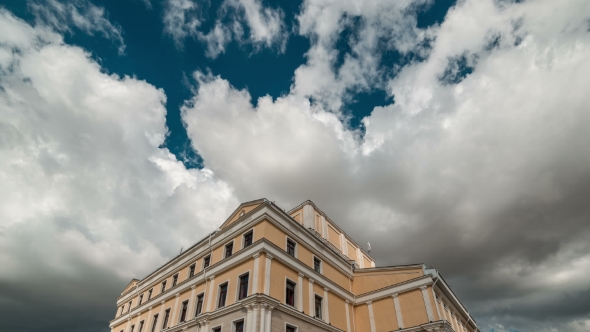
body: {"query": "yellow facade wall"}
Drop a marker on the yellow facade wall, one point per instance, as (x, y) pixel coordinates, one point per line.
(413, 308)
(333, 236)
(246, 209)
(351, 251)
(361, 318)
(231, 277)
(384, 312)
(364, 282)
(336, 307)
(278, 282)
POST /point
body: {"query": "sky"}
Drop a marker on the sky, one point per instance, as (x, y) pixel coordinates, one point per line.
(450, 133)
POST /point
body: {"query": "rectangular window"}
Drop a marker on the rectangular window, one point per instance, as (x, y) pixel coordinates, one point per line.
(166, 317)
(229, 249)
(175, 280)
(290, 293)
(163, 288)
(129, 307)
(183, 311)
(291, 329)
(291, 247)
(140, 299)
(248, 238)
(318, 307)
(132, 327)
(222, 295)
(150, 294)
(239, 326)
(206, 261)
(199, 304)
(140, 327)
(122, 309)
(317, 265)
(243, 291)
(191, 270)
(217, 329)
(155, 322)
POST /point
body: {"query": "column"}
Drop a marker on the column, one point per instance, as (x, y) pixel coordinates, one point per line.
(324, 227)
(269, 258)
(371, 316)
(444, 311)
(436, 305)
(359, 257)
(347, 316)
(300, 292)
(205, 328)
(211, 292)
(326, 310)
(128, 324)
(311, 297)
(254, 317)
(249, 327)
(173, 320)
(343, 245)
(160, 316)
(256, 257)
(426, 298)
(398, 311)
(308, 216)
(137, 322)
(191, 304)
(148, 320)
(262, 317)
(269, 319)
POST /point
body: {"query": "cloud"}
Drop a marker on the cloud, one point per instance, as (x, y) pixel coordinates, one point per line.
(88, 199)
(479, 168)
(80, 14)
(265, 26)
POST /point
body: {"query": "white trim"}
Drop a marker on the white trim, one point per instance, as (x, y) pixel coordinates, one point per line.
(248, 272)
(398, 288)
(292, 325)
(269, 318)
(203, 267)
(311, 299)
(308, 216)
(220, 326)
(300, 292)
(346, 305)
(262, 318)
(436, 304)
(321, 311)
(427, 304)
(252, 229)
(203, 306)
(294, 293)
(398, 311)
(218, 293)
(343, 243)
(313, 257)
(191, 304)
(287, 239)
(326, 306)
(188, 271)
(233, 323)
(256, 257)
(248, 324)
(188, 302)
(371, 316)
(169, 309)
(324, 226)
(210, 293)
(233, 247)
(267, 268)
(175, 309)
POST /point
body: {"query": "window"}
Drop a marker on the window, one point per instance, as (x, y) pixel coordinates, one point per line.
(150, 294)
(140, 327)
(217, 329)
(199, 304)
(183, 311)
(291, 329)
(318, 307)
(129, 307)
(317, 265)
(140, 299)
(291, 247)
(243, 291)
(229, 249)
(163, 286)
(206, 261)
(122, 308)
(132, 327)
(248, 238)
(191, 270)
(174, 280)
(290, 293)
(222, 295)
(239, 326)
(155, 322)
(166, 316)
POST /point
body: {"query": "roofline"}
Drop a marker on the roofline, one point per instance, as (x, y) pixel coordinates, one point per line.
(236, 210)
(455, 297)
(310, 202)
(389, 268)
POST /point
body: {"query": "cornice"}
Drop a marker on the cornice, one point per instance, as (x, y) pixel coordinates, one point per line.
(398, 288)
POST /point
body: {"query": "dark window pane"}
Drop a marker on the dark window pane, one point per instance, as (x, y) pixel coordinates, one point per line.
(174, 280)
(217, 329)
(140, 299)
(243, 292)
(166, 316)
(206, 261)
(163, 286)
(140, 327)
(183, 311)
(229, 249)
(248, 239)
(199, 305)
(150, 294)
(290, 293)
(239, 326)
(132, 327)
(317, 265)
(191, 270)
(291, 248)
(155, 322)
(129, 307)
(291, 329)
(222, 295)
(318, 307)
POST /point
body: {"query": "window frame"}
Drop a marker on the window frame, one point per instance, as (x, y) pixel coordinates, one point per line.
(197, 311)
(174, 280)
(321, 270)
(183, 306)
(288, 239)
(166, 319)
(129, 307)
(154, 322)
(140, 299)
(217, 328)
(206, 258)
(287, 281)
(239, 285)
(163, 286)
(191, 270)
(250, 231)
(239, 320)
(132, 328)
(141, 324)
(225, 249)
(287, 325)
(217, 306)
(150, 294)
(315, 310)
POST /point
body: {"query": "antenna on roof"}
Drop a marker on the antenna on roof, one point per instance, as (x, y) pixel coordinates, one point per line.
(369, 247)
(181, 250)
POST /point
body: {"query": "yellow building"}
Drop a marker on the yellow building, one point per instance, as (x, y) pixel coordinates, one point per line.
(266, 270)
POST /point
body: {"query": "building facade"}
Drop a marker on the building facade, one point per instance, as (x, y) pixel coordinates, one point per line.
(269, 270)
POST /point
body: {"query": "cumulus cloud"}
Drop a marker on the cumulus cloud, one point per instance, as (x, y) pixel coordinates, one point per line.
(265, 26)
(80, 14)
(88, 199)
(482, 173)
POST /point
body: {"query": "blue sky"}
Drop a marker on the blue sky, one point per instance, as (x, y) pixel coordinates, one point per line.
(445, 133)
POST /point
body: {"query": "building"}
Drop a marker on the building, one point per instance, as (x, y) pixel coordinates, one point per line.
(266, 270)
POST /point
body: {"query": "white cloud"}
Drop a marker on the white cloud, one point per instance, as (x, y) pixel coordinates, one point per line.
(181, 20)
(80, 14)
(85, 184)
